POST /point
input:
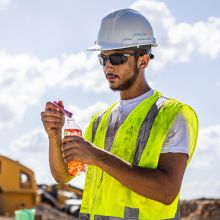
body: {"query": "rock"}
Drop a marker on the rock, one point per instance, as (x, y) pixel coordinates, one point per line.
(49, 213)
(200, 209)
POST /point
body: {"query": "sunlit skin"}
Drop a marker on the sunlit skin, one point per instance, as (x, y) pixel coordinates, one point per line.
(126, 71)
(161, 184)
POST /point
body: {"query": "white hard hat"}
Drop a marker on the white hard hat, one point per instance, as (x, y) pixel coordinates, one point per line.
(124, 28)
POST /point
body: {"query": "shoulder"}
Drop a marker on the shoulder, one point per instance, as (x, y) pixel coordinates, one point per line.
(179, 109)
(177, 138)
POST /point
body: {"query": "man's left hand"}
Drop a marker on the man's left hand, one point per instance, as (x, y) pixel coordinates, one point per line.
(78, 149)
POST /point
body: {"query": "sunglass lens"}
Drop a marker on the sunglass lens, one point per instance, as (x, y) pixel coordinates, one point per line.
(114, 59)
(117, 59)
(102, 60)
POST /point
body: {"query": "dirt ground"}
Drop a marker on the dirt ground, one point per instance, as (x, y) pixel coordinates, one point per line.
(47, 213)
(198, 209)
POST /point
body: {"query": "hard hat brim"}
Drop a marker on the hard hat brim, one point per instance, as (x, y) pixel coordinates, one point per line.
(97, 47)
(94, 48)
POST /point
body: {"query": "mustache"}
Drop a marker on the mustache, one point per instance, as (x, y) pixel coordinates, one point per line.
(111, 75)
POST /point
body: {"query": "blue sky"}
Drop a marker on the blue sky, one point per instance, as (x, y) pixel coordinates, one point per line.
(43, 57)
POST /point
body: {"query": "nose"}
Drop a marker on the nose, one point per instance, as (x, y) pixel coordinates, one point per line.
(108, 67)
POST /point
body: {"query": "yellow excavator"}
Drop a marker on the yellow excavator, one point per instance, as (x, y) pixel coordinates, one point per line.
(19, 190)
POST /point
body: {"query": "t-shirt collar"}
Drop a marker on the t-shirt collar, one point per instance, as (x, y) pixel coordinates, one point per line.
(137, 99)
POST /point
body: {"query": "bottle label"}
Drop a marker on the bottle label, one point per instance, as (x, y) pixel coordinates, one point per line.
(71, 132)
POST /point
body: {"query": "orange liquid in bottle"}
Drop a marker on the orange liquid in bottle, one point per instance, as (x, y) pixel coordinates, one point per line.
(75, 168)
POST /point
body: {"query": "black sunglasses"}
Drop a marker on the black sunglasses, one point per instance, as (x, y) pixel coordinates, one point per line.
(115, 59)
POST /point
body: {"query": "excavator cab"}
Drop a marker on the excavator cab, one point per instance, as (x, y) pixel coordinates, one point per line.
(18, 188)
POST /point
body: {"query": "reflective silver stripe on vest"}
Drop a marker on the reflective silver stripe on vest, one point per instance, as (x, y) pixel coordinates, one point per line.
(146, 128)
(83, 216)
(129, 214)
(96, 124)
(99, 217)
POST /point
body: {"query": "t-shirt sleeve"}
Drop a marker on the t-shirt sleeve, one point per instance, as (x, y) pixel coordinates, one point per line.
(177, 139)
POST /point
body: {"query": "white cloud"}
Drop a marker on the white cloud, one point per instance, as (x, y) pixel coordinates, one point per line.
(208, 147)
(203, 179)
(208, 188)
(32, 151)
(178, 41)
(3, 3)
(34, 141)
(86, 74)
(209, 140)
(24, 79)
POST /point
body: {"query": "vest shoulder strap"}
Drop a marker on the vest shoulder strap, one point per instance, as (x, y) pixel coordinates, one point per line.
(94, 123)
(145, 129)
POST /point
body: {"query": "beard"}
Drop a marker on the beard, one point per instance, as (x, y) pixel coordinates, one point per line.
(126, 84)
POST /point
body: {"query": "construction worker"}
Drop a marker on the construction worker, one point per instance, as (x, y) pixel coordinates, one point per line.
(137, 150)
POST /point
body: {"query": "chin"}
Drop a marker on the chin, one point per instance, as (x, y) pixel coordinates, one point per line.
(114, 88)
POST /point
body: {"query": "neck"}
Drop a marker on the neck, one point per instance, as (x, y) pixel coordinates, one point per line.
(139, 87)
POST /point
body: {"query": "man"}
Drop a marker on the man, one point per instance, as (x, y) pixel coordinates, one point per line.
(137, 149)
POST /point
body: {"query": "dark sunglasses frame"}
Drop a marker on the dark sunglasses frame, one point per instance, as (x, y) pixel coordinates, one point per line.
(115, 58)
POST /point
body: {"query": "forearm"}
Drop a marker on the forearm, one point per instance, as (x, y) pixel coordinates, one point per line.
(150, 183)
(57, 166)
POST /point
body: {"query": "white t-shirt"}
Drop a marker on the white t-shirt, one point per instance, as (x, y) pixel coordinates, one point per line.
(176, 140)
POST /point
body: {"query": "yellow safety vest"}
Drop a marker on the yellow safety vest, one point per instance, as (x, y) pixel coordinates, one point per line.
(139, 141)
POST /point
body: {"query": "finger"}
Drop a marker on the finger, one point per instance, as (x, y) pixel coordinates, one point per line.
(70, 145)
(67, 153)
(52, 124)
(51, 119)
(69, 158)
(51, 106)
(60, 103)
(53, 113)
(67, 139)
(72, 138)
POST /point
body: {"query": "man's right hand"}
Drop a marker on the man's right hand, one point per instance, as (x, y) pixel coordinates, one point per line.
(53, 120)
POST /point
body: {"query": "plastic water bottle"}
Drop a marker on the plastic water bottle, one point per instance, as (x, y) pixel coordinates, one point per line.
(75, 168)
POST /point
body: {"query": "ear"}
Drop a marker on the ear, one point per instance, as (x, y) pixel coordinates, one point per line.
(143, 61)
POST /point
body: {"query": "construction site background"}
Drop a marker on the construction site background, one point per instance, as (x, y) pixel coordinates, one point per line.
(19, 190)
